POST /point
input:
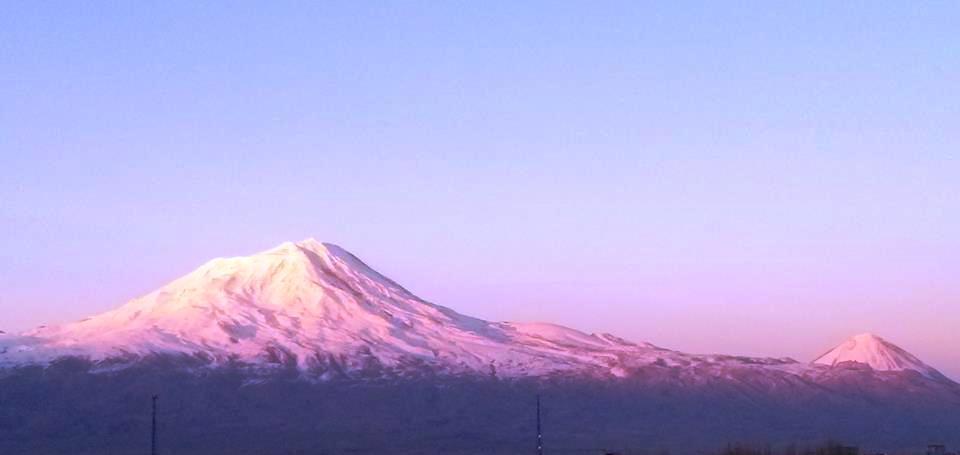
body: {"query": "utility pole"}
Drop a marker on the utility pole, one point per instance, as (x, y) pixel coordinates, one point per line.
(539, 432)
(153, 428)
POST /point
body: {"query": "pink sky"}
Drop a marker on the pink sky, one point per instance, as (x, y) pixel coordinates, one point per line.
(763, 181)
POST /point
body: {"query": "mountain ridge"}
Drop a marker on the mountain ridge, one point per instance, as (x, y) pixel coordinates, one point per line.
(317, 307)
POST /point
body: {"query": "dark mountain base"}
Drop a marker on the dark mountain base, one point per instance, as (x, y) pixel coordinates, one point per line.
(64, 409)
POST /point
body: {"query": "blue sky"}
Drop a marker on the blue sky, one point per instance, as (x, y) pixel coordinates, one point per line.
(760, 178)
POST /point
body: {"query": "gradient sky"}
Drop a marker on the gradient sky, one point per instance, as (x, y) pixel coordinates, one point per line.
(762, 179)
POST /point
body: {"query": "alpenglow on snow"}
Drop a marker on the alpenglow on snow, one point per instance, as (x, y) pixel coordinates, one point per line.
(317, 308)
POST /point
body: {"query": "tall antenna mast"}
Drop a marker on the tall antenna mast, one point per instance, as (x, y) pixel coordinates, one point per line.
(153, 428)
(539, 432)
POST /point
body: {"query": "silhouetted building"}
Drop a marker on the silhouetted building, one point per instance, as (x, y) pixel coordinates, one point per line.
(936, 449)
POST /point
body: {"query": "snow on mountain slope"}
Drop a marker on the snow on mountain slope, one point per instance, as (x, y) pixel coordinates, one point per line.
(879, 354)
(316, 307)
(320, 307)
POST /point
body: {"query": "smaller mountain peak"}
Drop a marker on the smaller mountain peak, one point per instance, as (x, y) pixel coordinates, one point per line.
(868, 340)
(880, 354)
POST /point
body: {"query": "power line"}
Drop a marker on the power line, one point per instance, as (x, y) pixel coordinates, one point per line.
(539, 431)
(153, 428)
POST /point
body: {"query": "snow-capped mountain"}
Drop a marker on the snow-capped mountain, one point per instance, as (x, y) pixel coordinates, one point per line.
(879, 354)
(306, 344)
(317, 308)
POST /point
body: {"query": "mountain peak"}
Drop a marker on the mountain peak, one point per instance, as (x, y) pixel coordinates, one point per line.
(315, 249)
(880, 354)
(319, 307)
(310, 244)
(868, 339)
(315, 245)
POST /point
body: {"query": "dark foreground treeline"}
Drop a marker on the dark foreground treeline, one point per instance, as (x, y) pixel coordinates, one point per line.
(65, 409)
(828, 448)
